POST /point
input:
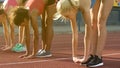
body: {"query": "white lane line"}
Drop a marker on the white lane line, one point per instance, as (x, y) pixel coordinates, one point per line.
(111, 54)
(40, 61)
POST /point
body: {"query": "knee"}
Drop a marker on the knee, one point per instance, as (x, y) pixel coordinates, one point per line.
(102, 21)
(34, 13)
(103, 18)
(94, 23)
(36, 35)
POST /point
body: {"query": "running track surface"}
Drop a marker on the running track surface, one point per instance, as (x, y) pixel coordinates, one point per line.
(61, 50)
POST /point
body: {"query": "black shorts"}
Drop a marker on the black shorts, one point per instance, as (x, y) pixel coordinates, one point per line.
(50, 2)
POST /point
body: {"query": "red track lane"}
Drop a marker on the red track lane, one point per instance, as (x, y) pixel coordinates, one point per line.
(61, 50)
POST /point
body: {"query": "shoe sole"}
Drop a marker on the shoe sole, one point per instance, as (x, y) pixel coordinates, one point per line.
(19, 51)
(44, 56)
(100, 64)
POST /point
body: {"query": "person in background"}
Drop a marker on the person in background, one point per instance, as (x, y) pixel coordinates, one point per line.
(99, 14)
(8, 5)
(35, 10)
(47, 28)
(4, 21)
(22, 17)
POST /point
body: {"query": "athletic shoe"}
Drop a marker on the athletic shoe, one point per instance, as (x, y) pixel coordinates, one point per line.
(95, 62)
(19, 48)
(39, 51)
(44, 53)
(89, 59)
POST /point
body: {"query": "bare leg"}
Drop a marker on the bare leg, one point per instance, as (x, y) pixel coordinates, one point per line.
(74, 28)
(43, 30)
(88, 29)
(34, 24)
(105, 9)
(36, 33)
(6, 33)
(47, 27)
(94, 16)
(12, 35)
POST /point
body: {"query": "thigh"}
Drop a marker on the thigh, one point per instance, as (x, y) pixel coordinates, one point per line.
(34, 20)
(106, 7)
(51, 10)
(85, 4)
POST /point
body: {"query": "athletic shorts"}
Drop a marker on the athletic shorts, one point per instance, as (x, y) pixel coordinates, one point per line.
(92, 3)
(35, 4)
(50, 2)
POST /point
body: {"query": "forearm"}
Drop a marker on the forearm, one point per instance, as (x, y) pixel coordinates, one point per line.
(74, 37)
(21, 34)
(36, 39)
(27, 35)
(12, 35)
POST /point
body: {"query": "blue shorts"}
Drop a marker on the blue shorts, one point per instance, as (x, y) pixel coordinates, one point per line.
(92, 3)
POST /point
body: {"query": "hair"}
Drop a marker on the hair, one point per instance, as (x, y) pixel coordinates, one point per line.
(2, 11)
(65, 6)
(24, 1)
(19, 14)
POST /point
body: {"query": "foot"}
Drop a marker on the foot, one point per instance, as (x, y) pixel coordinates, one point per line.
(29, 57)
(76, 59)
(83, 61)
(7, 48)
(44, 54)
(24, 55)
(2, 47)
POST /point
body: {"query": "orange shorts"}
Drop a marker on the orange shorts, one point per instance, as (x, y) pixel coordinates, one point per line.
(35, 4)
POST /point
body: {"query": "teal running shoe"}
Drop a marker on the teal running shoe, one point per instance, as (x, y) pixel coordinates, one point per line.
(19, 48)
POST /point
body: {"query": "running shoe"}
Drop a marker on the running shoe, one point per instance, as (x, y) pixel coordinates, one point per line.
(19, 48)
(96, 62)
(44, 53)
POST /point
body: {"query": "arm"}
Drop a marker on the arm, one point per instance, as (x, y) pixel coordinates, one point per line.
(21, 34)
(74, 36)
(27, 38)
(72, 17)
(12, 34)
(6, 32)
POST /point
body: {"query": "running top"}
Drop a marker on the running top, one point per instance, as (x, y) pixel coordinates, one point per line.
(35, 4)
(8, 4)
(39, 4)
